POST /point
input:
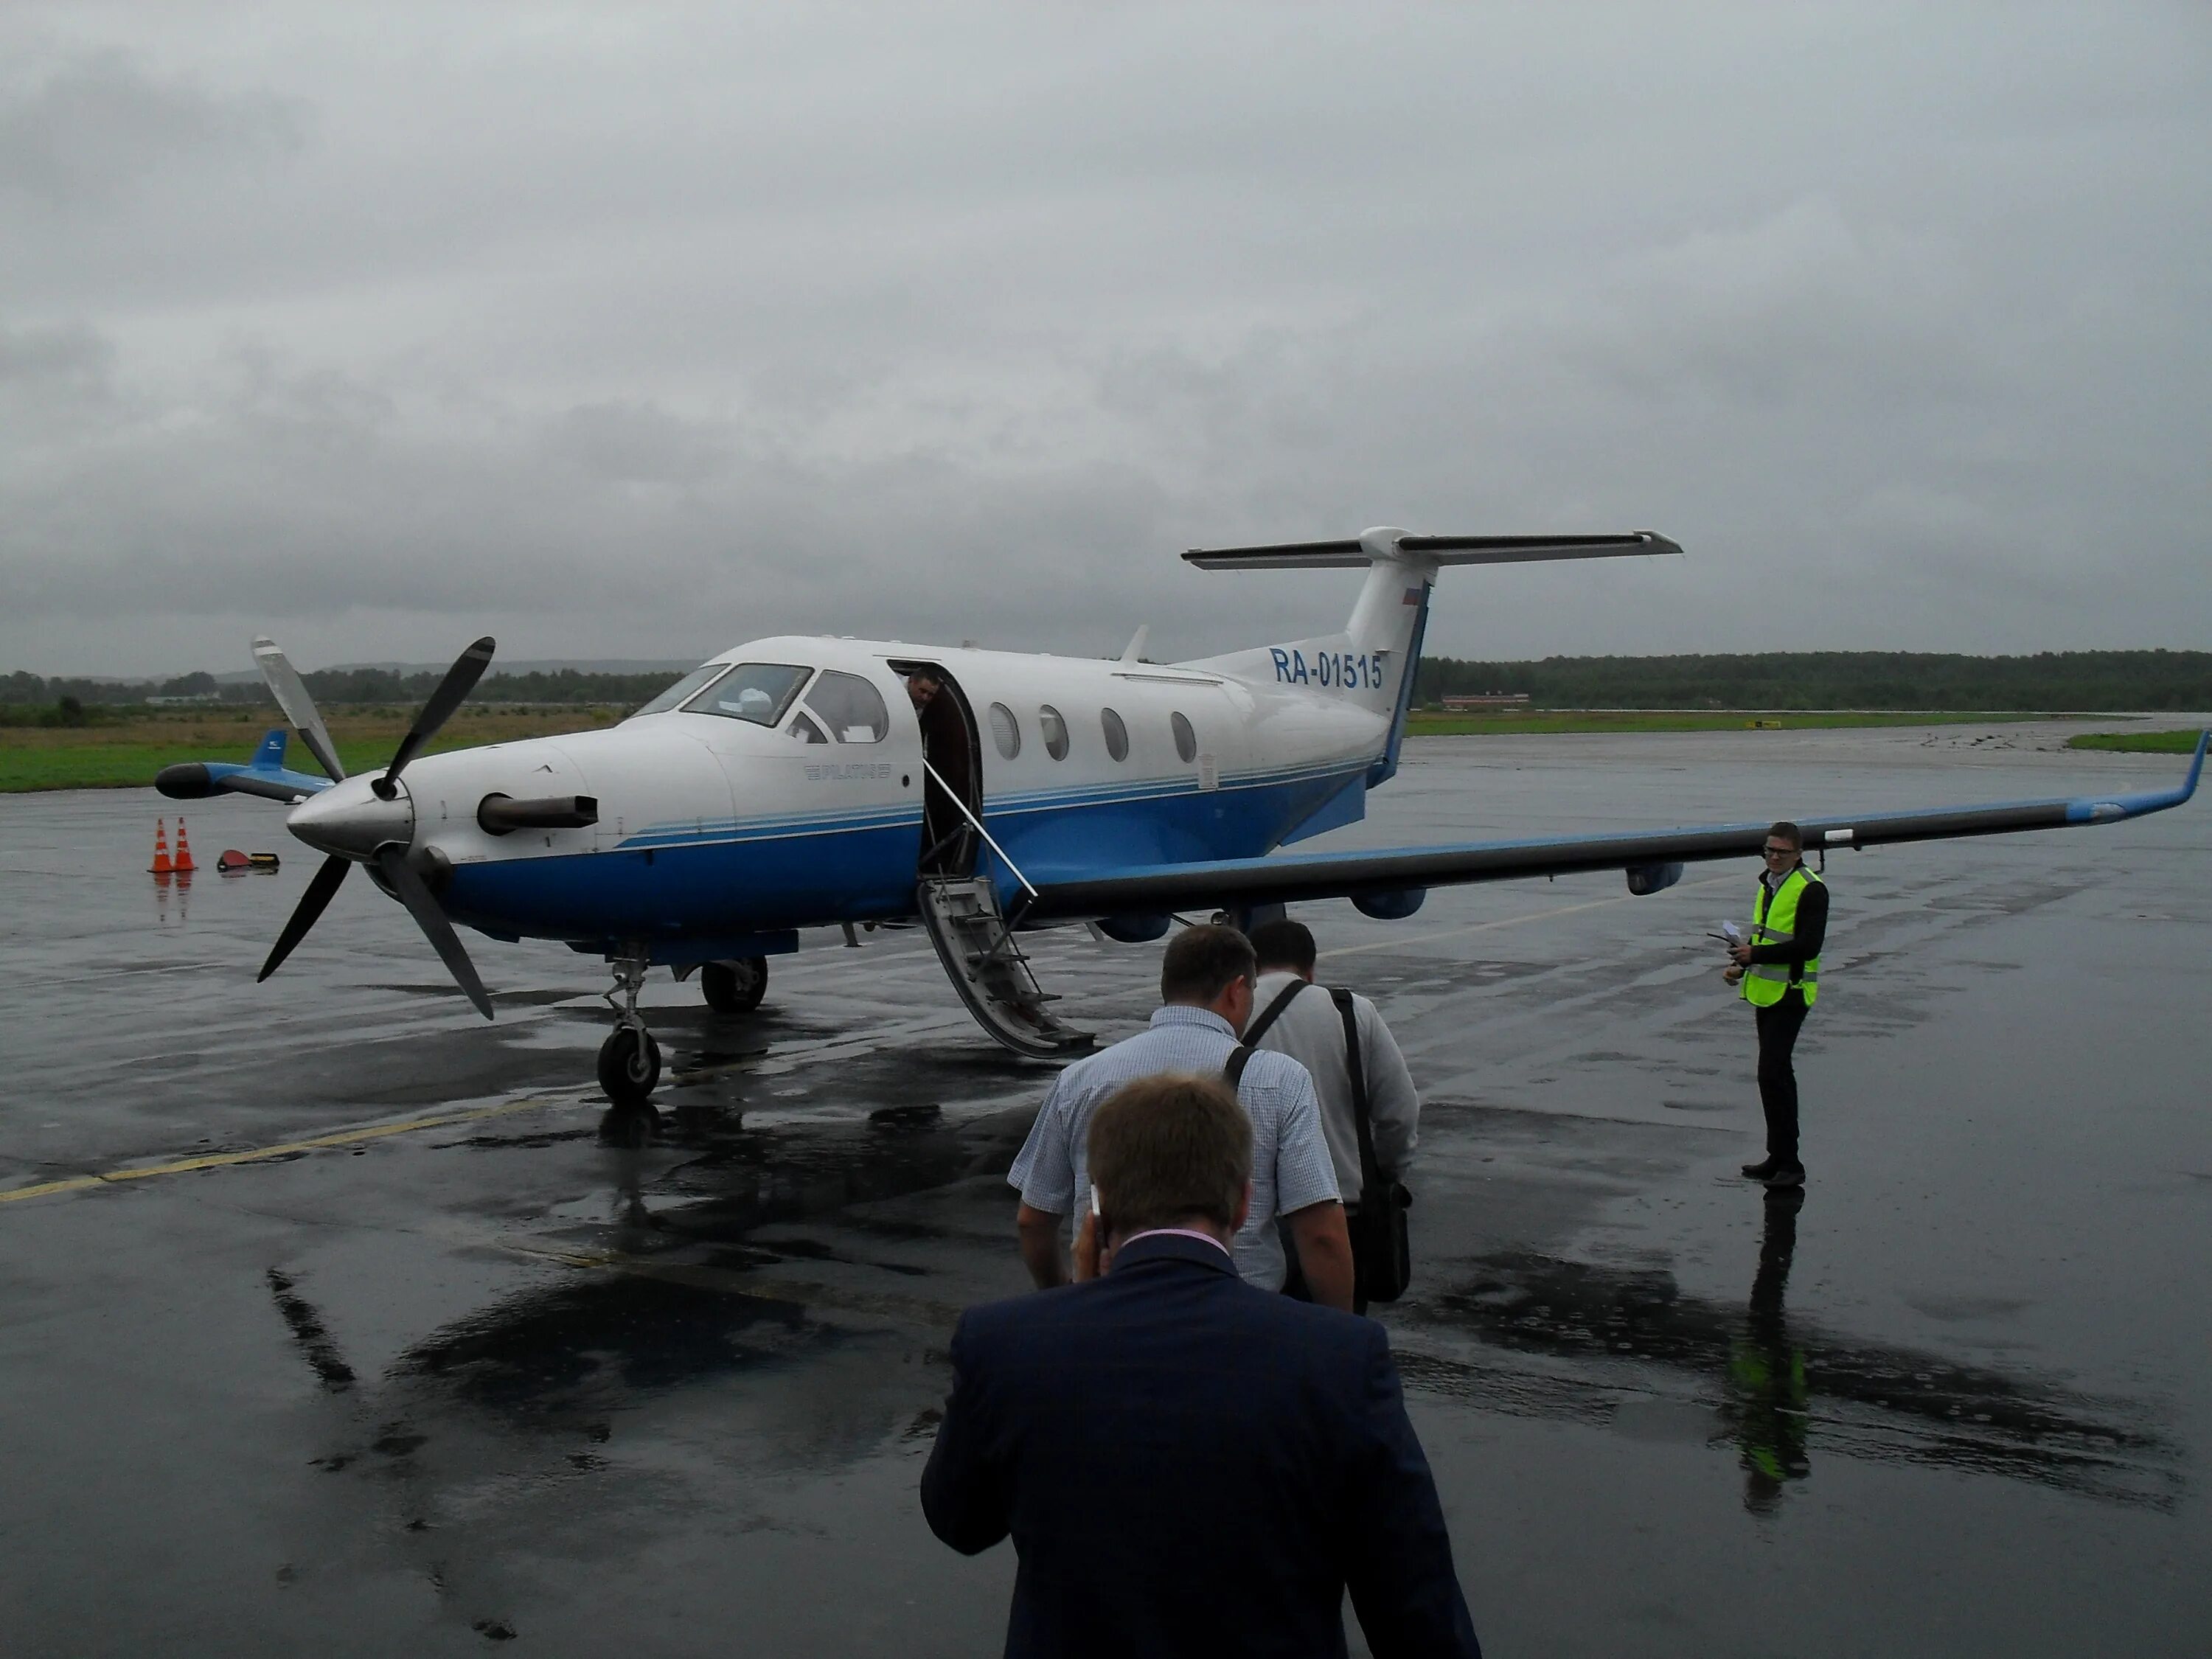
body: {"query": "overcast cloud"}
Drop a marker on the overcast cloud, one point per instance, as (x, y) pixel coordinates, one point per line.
(631, 332)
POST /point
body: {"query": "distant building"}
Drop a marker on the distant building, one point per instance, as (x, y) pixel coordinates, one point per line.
(1485, 700)
(184, 701)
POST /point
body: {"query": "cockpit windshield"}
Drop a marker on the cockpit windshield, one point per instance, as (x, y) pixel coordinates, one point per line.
(755, 691)
(705, 675)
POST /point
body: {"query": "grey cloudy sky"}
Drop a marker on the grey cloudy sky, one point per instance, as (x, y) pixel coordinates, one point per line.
(633, 331)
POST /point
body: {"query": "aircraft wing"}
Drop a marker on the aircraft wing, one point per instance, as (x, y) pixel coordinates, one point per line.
(1241, 882)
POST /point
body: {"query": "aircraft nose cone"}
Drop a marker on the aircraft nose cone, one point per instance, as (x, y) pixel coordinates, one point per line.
(348, 819)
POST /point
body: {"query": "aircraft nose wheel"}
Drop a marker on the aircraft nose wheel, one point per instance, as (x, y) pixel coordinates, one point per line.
(630, 1059)
(630, 1065)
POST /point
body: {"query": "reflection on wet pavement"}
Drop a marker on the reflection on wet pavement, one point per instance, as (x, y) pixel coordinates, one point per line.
(592, 1345)
(1767, 1370)
(1784, 1386)
(307, 1325)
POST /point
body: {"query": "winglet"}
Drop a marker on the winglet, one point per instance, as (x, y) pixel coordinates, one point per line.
(1135, 650)
(2107, 809)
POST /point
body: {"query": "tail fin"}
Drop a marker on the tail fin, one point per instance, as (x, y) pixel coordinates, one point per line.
(269, 756)
(1372, 663)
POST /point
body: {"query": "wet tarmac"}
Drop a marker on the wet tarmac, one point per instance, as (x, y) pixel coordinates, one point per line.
(331, 1321)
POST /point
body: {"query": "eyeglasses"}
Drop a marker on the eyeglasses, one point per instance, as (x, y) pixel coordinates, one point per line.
(1780, 852)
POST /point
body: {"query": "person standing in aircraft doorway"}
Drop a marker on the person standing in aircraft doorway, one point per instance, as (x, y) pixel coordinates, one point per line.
(1780, 970)
(945, 747)
(1312, 1029)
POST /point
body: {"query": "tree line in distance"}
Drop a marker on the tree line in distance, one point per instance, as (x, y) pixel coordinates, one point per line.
(2051, 681)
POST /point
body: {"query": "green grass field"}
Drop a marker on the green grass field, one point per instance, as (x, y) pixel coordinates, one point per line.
(2137, 743)
(1550, 722)
(127, 755)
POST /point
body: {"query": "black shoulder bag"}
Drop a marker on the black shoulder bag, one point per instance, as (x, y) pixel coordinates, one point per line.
(1382, 1256)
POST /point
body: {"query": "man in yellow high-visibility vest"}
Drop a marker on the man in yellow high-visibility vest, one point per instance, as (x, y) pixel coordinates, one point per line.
(1780, 970)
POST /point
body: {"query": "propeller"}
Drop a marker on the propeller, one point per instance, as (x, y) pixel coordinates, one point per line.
(291, 693)
(312, 904)
(393, 861)
(461, 679)
(361, 835)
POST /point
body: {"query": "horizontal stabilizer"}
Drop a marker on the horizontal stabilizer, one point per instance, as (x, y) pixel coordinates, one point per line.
(1357, 551)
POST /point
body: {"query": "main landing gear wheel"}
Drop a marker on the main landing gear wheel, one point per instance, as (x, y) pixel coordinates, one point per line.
(630, 1065)
(735, 987)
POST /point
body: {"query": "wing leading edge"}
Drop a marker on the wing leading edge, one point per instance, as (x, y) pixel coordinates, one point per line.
(1246, 882)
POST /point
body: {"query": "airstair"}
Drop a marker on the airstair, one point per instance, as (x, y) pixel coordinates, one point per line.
(976, 945)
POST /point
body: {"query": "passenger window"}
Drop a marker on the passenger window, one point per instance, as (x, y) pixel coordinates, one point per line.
(850, 707)
(805, 730)
(690, 686)
(1186, 740)
(1117, 735)
(755, 691)
(1054, 730)
(1005, 731)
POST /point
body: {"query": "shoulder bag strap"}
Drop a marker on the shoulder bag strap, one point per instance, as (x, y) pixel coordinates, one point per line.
(1233, 1073)
(1371, 1172)
(1273, 1011)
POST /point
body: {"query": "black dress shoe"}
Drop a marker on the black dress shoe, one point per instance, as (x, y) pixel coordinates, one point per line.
(1789, 1174)
(1760, 1170)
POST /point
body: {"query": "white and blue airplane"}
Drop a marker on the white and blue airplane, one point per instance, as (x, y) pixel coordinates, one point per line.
(782, 786)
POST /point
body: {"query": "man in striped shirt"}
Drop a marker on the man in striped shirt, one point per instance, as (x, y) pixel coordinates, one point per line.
(1206, 976)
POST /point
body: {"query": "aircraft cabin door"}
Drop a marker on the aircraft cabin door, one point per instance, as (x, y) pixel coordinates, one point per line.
(952, 748)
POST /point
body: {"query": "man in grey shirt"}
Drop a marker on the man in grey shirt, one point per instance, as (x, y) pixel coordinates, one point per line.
(1206, 987)
(1310, 1031)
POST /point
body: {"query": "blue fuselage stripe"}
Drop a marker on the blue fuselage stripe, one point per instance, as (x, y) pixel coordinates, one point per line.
(717, 880)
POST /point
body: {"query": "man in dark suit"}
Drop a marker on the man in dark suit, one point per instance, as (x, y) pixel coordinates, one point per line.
(1188, 1465)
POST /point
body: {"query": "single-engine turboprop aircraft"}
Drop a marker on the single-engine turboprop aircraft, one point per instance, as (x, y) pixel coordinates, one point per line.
(783, 786)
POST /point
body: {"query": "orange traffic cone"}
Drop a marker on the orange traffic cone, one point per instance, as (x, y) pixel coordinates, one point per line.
(185, 865)
(160, 865)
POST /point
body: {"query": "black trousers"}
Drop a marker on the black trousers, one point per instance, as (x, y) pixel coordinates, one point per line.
(1778, 1026)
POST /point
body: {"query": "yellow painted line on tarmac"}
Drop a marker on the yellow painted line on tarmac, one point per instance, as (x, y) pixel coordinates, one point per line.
(286, 1148)
(1513, 921)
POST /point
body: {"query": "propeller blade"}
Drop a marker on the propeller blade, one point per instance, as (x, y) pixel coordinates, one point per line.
(461, 679)
(291, 693)
(313, 904)
(435, 926)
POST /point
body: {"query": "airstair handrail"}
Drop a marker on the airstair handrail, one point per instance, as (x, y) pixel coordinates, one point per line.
(953, 796)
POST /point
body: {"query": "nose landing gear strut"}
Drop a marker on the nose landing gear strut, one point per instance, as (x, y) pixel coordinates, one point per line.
(630, 1059)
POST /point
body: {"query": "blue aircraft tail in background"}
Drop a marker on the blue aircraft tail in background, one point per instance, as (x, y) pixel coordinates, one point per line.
(265, 775)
